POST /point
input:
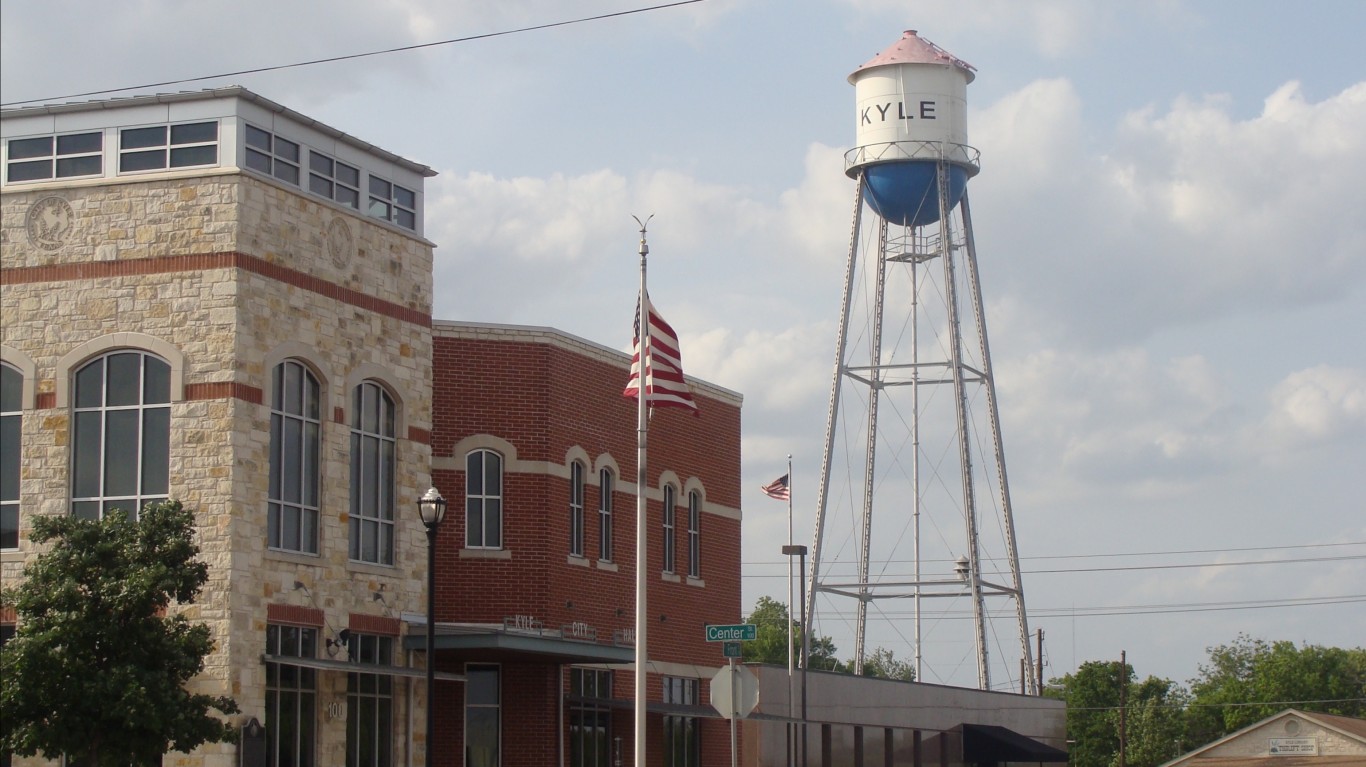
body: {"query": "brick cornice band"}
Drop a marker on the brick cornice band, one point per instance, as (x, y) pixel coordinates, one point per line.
(204, 261)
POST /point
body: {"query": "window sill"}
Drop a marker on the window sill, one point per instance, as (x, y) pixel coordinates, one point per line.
(371, 568)
(486, 553)
(698, 582)
(296, 557)
(603, 564)
(670, 577)
(576, 560)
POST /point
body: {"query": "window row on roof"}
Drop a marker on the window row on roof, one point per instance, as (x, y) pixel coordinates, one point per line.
(129, 151)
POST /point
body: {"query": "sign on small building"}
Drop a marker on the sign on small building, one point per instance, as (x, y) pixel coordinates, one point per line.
(1294, 747)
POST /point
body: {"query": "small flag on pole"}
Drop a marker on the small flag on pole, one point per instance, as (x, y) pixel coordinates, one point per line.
(664, 384)
(778, 489)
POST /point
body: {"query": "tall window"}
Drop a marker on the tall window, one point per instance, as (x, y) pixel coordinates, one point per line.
(576, 509)
(681, 735)
(695, 534)
(11, 434)
(605, 515)
(372, 474)
(291, 697)
(670, 542)
(121, 434)
(481, 716)
(590, 718)
(484, 500)
(370, 704)
(294, 444)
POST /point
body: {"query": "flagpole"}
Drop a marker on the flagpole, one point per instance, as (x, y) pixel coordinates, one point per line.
(642, 423)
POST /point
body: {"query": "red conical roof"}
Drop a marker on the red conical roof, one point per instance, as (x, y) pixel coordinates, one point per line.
(914, 49)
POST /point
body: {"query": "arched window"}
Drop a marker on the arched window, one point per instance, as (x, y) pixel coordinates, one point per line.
(121, 433)
(295, 440)
(576, 509)
(484, 500)
(372, 474)
(605, 515)
(670, 539)
(11, 441)
(694, 534)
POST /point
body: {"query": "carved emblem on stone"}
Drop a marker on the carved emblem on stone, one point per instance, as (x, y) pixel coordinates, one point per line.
(49, 222)
(339, 244)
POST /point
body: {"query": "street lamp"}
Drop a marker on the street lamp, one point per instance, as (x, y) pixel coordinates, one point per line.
(431, 507)
(800, 552)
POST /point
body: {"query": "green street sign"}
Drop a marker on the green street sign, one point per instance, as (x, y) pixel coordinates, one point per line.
(742, 632)
(731, 650)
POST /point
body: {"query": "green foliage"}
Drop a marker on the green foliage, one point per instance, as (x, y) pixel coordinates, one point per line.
(770, 646)
(770, 630)
(770, 642)
(1274, 676)
(1156, 723)
(882, 663)
(97, 669)
(1092, 694)
(1163, 720)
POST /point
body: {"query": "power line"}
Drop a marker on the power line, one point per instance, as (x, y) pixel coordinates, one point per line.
(348, 57)
(1154, 609)
(1124, 554)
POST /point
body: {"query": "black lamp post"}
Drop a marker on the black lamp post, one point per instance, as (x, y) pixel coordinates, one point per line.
(800, 551)
(432, 508)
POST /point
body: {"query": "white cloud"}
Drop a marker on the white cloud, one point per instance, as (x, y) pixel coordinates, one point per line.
(1323, 404)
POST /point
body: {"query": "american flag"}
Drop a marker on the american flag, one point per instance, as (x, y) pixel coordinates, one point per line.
(664, 384)
(778, 489)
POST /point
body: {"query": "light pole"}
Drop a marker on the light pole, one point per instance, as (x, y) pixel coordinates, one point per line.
(800, 552)
(432, 508)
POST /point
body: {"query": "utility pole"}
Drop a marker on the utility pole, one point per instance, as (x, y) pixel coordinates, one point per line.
(1038, 660)
(1123, 703)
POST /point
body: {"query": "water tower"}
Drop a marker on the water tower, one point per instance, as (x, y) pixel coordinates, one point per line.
(913, 521)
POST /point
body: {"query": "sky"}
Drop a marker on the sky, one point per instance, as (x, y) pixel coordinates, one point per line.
(1169, 223)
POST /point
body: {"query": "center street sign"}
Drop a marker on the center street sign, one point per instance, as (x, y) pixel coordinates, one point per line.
(742, 632)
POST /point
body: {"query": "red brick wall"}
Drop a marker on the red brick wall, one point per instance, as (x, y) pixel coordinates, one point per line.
(545, 400)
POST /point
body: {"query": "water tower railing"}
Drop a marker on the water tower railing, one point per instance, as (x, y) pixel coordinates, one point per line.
(896, 151)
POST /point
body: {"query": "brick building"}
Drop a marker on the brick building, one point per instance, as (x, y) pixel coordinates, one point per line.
(536, 577)
(210, 297)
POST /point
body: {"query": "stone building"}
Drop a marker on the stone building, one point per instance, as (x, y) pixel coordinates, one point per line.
(210, 297)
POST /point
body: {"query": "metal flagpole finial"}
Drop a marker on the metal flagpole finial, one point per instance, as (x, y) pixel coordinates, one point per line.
(644, 249)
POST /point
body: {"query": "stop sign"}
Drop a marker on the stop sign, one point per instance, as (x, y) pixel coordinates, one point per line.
(745, 688)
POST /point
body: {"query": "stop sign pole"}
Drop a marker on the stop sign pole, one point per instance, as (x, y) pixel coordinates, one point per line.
(733, 712)
(732, 635)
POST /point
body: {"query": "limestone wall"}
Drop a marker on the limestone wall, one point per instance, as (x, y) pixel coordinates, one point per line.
(224, 275)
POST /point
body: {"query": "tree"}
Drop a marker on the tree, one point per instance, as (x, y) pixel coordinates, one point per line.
(770, 643)
(1092, 694)
(770, 646)
(883, 663)
(1274, 676)
(1156, 723)
(97, 668)
(1154, 711)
